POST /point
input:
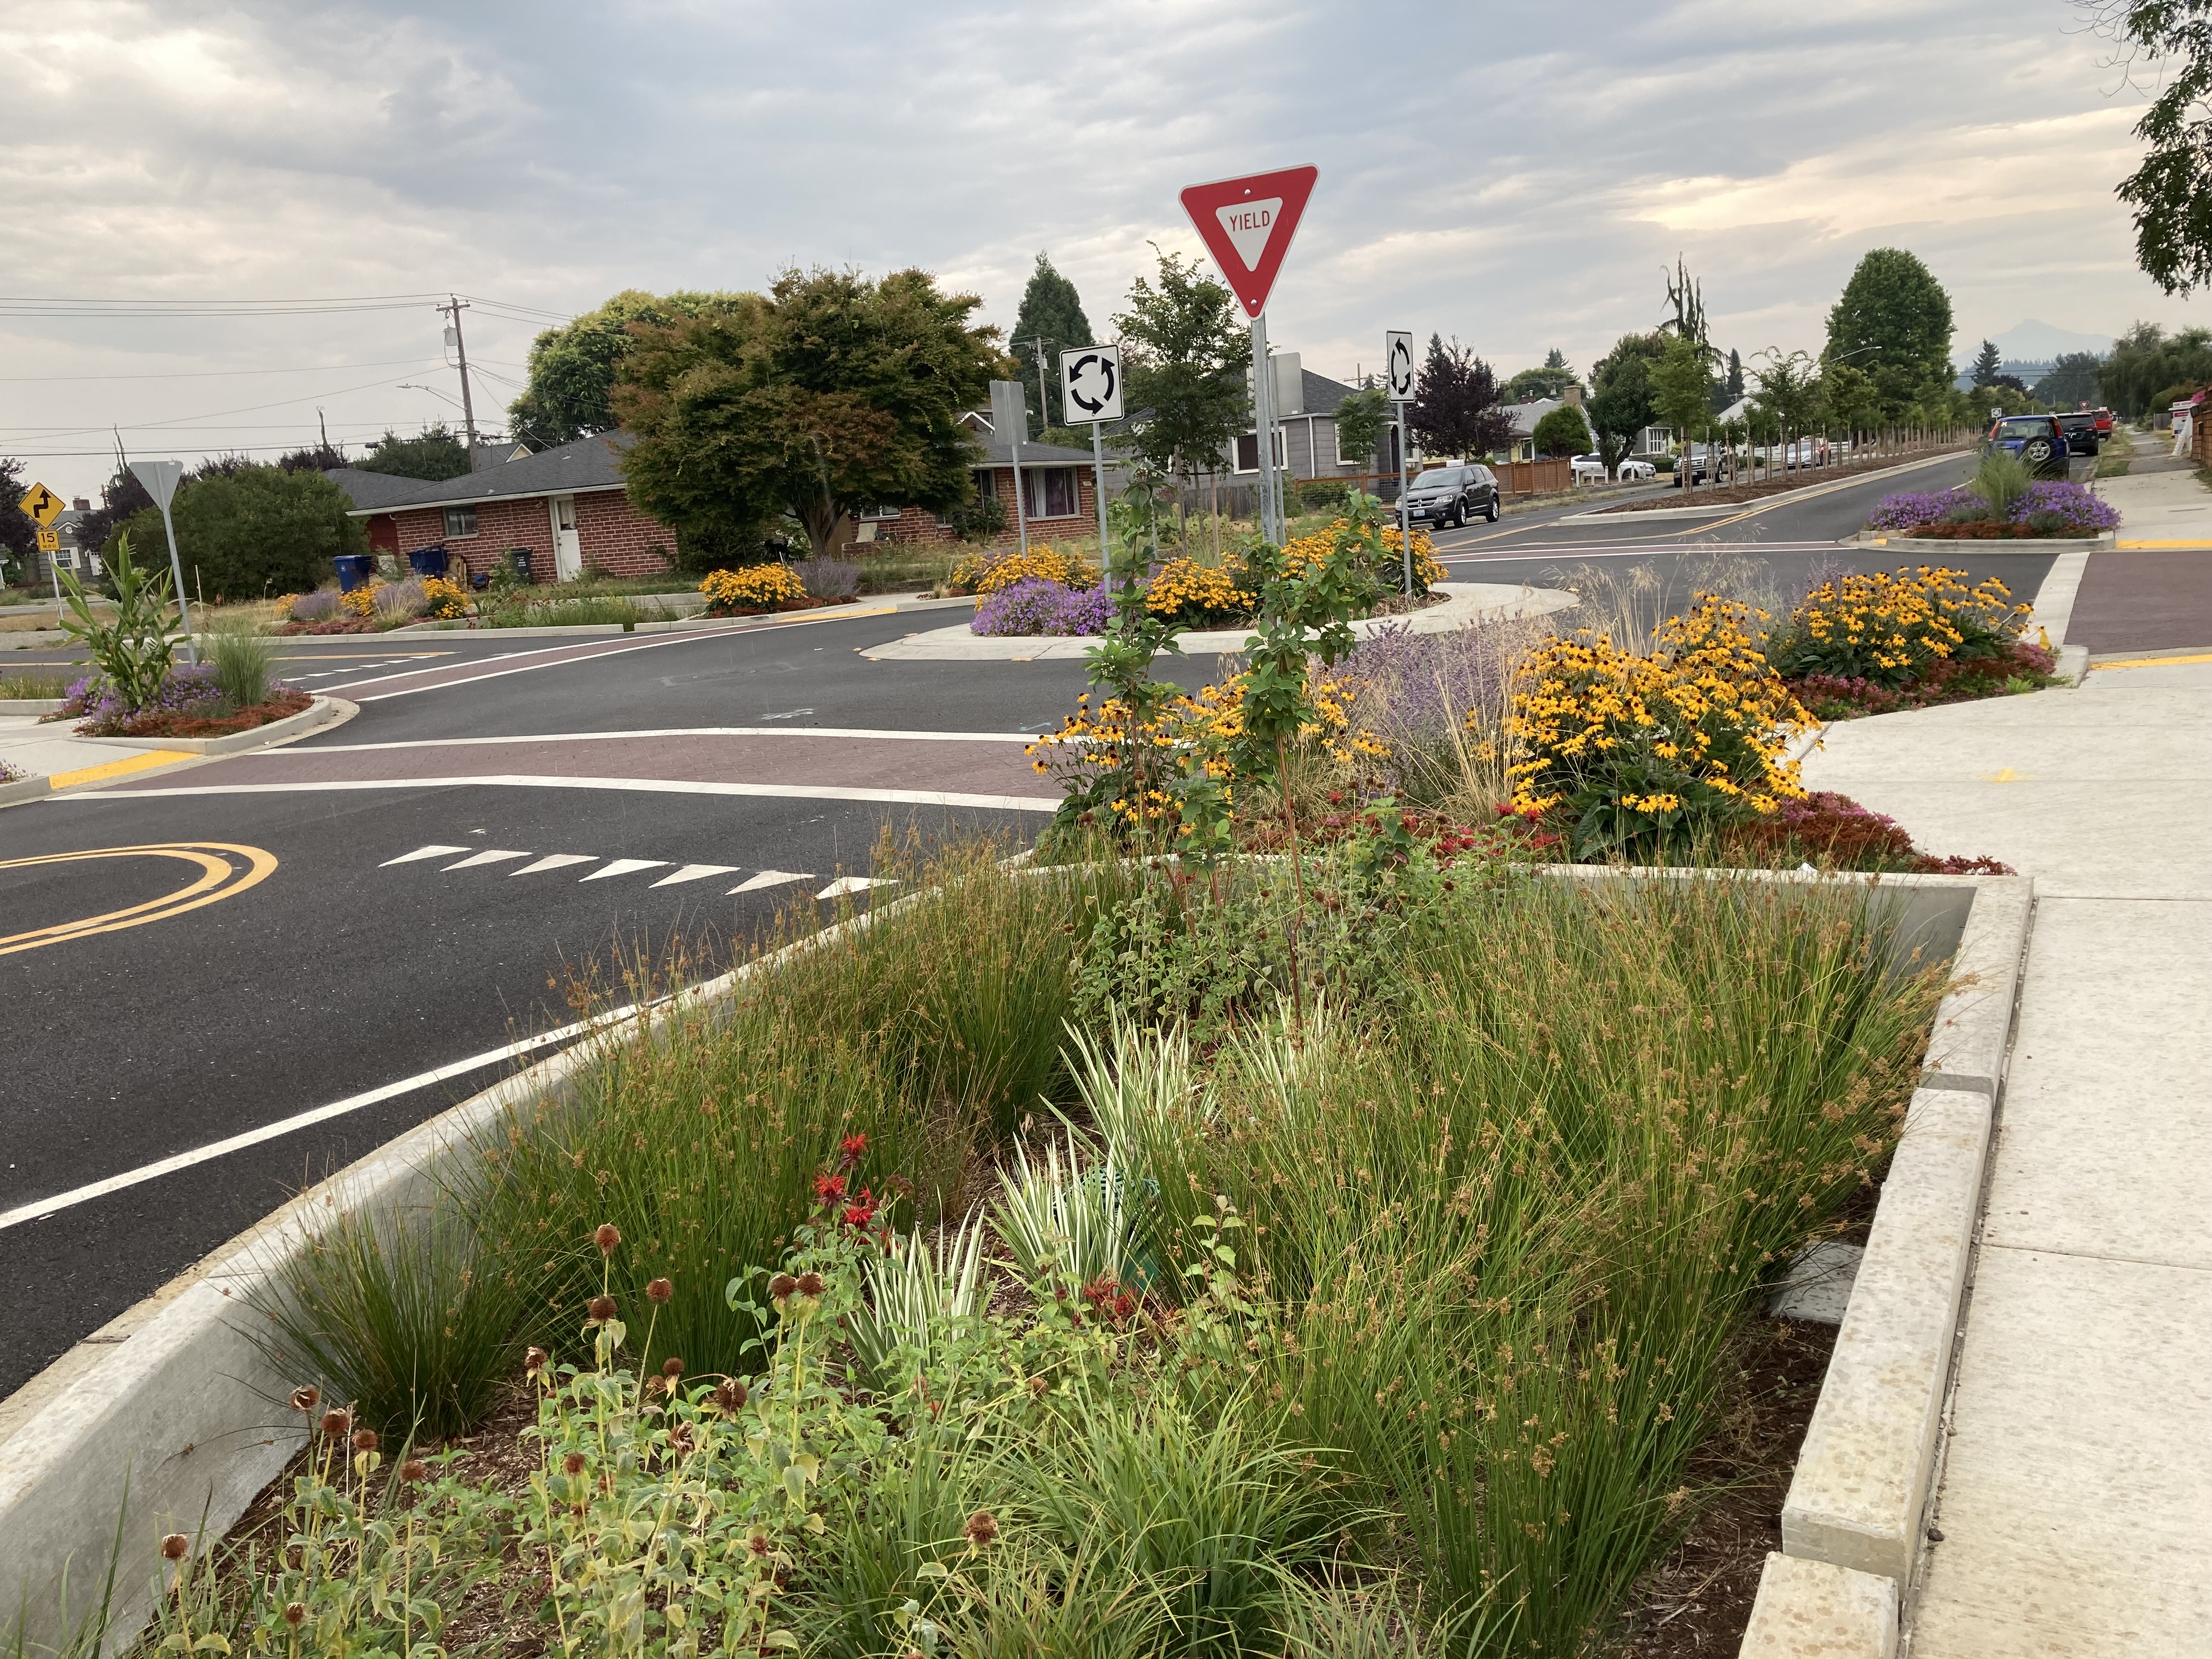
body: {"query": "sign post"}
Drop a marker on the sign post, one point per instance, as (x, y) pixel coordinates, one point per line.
(1010, 414)
(1398, 359)
(161, 479)
(1090, 389)
(42, 506)
(1247, 225)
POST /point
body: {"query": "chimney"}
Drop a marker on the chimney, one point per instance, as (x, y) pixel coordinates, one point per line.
(1572, 397)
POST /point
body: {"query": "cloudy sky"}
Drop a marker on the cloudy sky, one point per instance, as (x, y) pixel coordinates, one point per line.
(1517, 176)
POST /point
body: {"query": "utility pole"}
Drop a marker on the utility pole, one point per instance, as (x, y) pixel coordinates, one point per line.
(1044, 402)
(454, 306)
(324, 427)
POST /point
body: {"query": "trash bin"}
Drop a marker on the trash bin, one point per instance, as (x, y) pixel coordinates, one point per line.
(428, 562)
(519, 558)
(354, 570)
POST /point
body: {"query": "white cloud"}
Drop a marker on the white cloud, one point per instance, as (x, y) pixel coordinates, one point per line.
(1516, 177)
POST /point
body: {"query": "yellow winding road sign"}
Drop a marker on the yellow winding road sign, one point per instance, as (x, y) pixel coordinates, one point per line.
(43, 506)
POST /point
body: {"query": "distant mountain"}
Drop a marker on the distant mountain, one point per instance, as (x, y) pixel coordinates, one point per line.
(2032, 342)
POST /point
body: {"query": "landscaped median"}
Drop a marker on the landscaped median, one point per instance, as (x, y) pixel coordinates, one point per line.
(1216, 1259)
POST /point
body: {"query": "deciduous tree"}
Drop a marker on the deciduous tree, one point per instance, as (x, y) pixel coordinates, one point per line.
(1185, 350)
(246, 531)
(1549, 380)
(2072, 380)
(1051, 311)
(1679, 389)
(2170, 192)
(432, 455)
(1620, 401)
(1563, 431)
(1457, 409)
(573, 368)
(1361, 421)
(1893, 322)
(832, 391)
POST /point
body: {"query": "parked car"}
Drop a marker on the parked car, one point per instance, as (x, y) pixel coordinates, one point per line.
(1448, 496)
(2104, 421)
(1586, 469)
(2036, 439)
(2081, 431)
(1628, 470)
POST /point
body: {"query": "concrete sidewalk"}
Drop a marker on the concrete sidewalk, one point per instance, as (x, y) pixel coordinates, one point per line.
(38, 750)
(2074, 1514)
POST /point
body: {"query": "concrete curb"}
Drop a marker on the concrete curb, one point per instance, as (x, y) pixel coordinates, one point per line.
(1861, 1488)
(316, 714)
(2018, 544)
(1810, 1610)
(40, 706)
(1804, 492)
(23, 789)
(680, 625)
(2073, 664)
(174, 1398)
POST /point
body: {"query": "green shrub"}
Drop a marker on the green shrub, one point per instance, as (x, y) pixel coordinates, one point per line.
(1322, 495)
(253, 531)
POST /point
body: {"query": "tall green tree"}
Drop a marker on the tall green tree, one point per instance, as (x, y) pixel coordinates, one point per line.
(1733, 386)
(1551, 380)
(1361, 421)
(573, 369)
(1680, 390)
(2148, 364)
(1620, 393)
(2169, 42)
(433, 454)
(1989, 363)
(832, 391)
(1458, 409)
(248, 532)
(1051, 312)
(1788, 401)
(1893, 322)
(1185, 351)
(2072, 380)
(1563, 431)
(19, 536)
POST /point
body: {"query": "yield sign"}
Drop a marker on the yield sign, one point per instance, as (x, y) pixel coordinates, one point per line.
(1247, 224)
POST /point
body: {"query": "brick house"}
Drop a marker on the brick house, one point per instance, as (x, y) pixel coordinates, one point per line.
(1058, 487)
(564, 507)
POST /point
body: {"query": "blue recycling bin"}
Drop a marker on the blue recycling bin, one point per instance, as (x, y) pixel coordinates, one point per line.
(429, 561)
(354, 570)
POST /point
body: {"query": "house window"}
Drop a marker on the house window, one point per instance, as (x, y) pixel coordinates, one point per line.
(1248, 453)
(1053, 492)
(460, 521)
(878, 513)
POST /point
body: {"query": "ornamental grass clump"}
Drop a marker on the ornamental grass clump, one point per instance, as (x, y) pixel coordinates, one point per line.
(1637, 754)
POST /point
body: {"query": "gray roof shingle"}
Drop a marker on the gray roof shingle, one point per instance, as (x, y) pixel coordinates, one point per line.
(589, 463)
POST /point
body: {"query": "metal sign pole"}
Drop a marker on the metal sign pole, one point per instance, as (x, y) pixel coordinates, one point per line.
(1021, 508)
(1098, 494)
(1263, 428)
(176, 570)
(1405, 512)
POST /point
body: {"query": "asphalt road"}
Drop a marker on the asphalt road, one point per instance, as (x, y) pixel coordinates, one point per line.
(603, 773)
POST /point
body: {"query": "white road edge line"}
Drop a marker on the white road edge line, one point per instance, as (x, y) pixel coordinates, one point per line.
(42, 1208)
(645, 785)
(668, 732)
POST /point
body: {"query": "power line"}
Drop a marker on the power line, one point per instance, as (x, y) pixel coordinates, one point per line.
(209, 373)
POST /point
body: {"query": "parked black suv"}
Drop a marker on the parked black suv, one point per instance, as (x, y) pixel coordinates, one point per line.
(1448, 496)
(2081, 430)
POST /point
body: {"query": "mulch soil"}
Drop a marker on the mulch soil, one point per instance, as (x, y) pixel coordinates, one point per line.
(171, 724)
(1697, 1600)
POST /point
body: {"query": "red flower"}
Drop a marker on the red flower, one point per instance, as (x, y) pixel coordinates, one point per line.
(859, 1214)
(852, 1149)
(1108, 1301)
(828, 1188)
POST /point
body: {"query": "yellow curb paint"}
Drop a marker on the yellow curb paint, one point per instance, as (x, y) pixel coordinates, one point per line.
(220, 878)
(2006, 774)
(115, 768)
(2151, 662)
(2200, 541)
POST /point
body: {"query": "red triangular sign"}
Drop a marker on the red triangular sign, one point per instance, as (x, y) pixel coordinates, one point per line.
(1247, 224)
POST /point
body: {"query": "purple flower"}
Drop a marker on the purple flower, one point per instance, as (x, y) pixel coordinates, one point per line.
(1914, 508)
(2070, 501)
(1036, 605)
(192, 688)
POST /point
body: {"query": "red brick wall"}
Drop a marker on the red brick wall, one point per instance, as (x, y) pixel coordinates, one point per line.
(918, 526)
(615, 536)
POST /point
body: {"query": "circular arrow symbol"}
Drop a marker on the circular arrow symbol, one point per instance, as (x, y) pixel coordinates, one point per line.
(1084, 366)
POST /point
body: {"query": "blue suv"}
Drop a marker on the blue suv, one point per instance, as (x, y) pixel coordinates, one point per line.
(2035, 439)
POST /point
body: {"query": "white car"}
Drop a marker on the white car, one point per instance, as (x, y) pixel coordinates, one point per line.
(1587, 469)
(1636, 470)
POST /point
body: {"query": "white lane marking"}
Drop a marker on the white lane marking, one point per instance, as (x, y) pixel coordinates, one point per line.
(422, 853)
(845, 885)
(669, 732)
(40, 1208)
(489, 856)
(555, 861)
(770, 878)
(696, 872)
(623, 867)
(644, 786)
